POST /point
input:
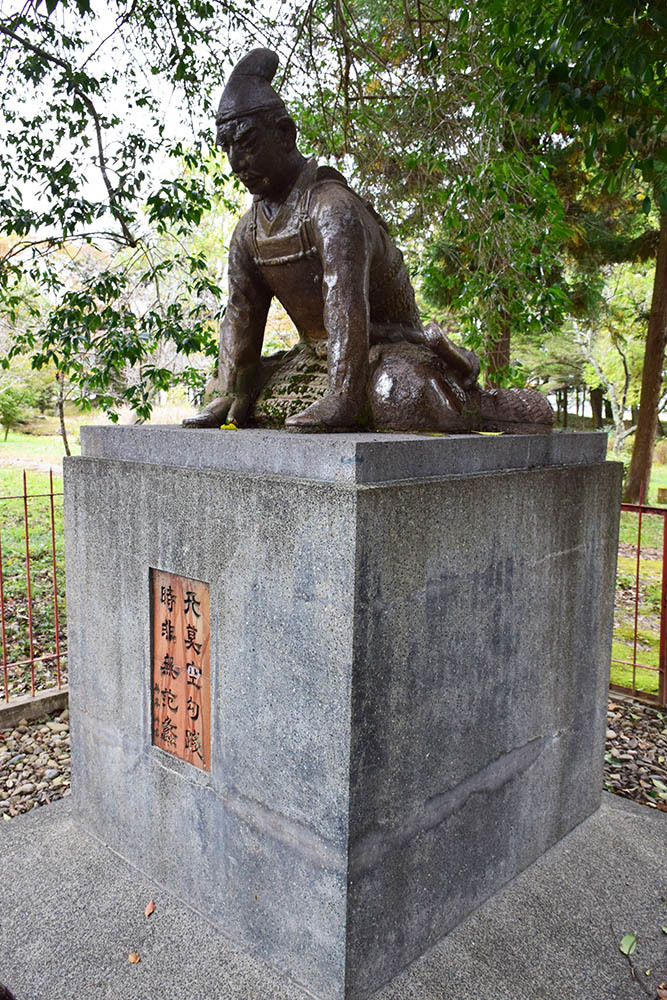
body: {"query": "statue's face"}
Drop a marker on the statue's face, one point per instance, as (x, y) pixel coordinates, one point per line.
(257, 153)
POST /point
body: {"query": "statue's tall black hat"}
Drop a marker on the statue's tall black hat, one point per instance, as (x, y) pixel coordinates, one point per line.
(249, 87)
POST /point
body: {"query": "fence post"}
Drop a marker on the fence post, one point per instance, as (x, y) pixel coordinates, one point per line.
(55, 579)
(637, 570)
(662, 668)
(2, 626)
(28, 584)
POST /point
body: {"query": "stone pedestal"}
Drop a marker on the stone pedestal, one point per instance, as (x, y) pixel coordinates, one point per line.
(409, 658)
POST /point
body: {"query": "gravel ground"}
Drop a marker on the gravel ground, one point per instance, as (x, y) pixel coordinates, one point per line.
(636, 753)
(35, 758)
(34, 764)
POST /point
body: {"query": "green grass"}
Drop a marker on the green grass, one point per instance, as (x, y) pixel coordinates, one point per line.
(651, 530)
(650, 570)
(648, 643)
(648, 631)
(621, 673)
(658, 479)
(11, 481)
(28, 448)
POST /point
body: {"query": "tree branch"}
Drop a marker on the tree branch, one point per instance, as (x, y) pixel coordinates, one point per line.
(83, 96)
(119, 24)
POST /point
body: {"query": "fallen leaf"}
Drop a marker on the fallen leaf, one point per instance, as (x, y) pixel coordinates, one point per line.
(662, 992)
(664, 930)
(228, 427)
(149, 909)
(133, 958)
(628, 944)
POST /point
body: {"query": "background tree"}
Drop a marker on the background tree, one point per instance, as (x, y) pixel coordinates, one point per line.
(13, 403)
(464, 120)
(105, 152)
(598, 71)
(408, 98)
(497, 159)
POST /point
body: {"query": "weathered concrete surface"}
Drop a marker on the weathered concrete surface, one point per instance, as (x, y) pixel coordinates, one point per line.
(408, 680)
(478, 694)
(261, 841)
(341, 458)
(71, 911)
(26, 707)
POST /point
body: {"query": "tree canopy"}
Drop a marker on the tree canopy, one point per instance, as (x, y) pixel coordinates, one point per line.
(517, 149)
(478, 120)
(106, 171)
(598, 72)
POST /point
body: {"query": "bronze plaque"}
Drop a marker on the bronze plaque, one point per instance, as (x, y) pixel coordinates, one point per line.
(180, 684)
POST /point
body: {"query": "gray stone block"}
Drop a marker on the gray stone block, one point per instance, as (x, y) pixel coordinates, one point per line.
(341, 458)
(408, 676)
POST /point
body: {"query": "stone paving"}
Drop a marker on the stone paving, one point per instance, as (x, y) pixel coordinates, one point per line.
(555, 932)
(73, 913)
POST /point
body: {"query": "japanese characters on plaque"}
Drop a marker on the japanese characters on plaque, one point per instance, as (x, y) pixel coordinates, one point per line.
(180, 691)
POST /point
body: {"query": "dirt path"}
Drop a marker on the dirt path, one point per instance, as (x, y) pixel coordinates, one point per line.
(630, 551)
(31, 465)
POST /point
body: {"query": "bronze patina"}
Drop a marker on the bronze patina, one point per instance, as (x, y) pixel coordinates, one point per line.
(364, 358)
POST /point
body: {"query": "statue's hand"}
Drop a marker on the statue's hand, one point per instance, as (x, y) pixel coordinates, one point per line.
(222, 410)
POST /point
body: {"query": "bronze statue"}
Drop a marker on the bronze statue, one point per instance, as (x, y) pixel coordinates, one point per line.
(364, 359)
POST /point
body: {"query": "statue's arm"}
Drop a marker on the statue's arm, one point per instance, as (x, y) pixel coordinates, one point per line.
(344, 240)
(231, 391)
(242, 326)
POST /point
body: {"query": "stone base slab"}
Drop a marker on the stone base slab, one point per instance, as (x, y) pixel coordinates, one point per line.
(409, 665)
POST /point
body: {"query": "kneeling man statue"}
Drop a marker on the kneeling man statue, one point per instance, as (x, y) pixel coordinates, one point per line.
(364, 359)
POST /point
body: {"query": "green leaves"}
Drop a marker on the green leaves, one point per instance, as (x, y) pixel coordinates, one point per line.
(616, 146)
(627, 944)
(104, 269)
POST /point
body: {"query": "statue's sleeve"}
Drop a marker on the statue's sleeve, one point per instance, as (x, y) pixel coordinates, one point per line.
(242, 326)
(344, 240)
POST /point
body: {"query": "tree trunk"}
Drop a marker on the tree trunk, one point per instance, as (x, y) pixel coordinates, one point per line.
(642, 453)
(564, 397)
(61, 411)
(596, 406)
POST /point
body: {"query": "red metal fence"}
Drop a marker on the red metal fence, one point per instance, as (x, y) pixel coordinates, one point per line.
(640, 621)
(31, 553)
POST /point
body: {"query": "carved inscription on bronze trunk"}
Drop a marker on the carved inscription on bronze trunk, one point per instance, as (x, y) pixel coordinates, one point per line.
(180, 683)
